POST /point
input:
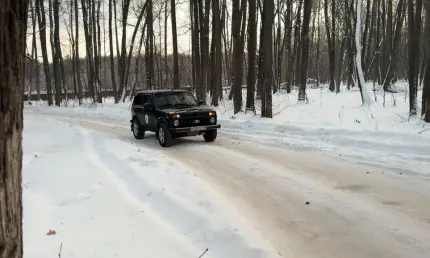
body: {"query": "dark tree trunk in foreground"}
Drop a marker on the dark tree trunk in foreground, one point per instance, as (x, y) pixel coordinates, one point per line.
(426, 96)
(13, 25)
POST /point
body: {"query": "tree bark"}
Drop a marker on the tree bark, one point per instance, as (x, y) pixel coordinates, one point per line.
(237, 61)
(252, 55)
(267, 58)
(77, 59)
(121, 60)
(217, 70)
(111, 58)
(13, 29)
(41, 17)
(307, 10)
(361, 82)
(426, 90)
(176, 78)
(411, 59)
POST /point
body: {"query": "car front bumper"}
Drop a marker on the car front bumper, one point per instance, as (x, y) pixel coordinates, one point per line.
(193, 129)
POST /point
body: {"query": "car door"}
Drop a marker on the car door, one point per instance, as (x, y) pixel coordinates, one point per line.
(138, 107)
(149, 117)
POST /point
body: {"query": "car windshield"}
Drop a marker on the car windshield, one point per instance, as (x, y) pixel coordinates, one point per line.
(174, 99)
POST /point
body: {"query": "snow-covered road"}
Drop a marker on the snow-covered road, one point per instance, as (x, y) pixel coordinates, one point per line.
(305, 204)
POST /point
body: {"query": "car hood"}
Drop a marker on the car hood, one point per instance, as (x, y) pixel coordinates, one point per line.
(186, 110)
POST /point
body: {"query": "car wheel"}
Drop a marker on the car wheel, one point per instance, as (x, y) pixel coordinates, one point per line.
(164, 135)
(138, 130)
(210, 135)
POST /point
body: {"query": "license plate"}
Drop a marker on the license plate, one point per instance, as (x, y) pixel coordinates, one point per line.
(198, 128)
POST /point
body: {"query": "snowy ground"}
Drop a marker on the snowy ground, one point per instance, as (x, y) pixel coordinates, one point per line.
(334, 124)
(107, 197)
(319, 180)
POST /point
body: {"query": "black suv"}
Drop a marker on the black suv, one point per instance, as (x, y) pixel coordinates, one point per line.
(171, 114)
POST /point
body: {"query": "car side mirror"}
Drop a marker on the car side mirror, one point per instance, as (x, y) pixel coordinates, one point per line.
(200, 102)
(148, 107)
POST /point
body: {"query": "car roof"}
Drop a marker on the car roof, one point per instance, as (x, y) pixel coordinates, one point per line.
(160, 91)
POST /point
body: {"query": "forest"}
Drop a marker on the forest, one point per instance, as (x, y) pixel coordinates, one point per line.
(91, 49)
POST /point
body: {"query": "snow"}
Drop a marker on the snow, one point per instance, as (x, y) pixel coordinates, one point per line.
(334, 124)
(106, 197)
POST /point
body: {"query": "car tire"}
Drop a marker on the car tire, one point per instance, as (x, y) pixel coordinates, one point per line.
(138, 130)
(164, 135)
(210, 135)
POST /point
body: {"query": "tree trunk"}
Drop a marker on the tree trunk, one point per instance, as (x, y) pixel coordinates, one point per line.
(237, 61)
(331, 44)
(176, 78)
(41, 17)
(196, 49)
(426, 90)
(411, 59)
(60, 70)
(150, 74)
(266, 50)
(307, 10)
(252, 55)
(13, 29)
(89, 49)
(77, 59)
(289, 47)
(121, 60)
(298, 44)
(390, 75)
(364, 93)
(217, 70)
(111, 57)
(55, 60)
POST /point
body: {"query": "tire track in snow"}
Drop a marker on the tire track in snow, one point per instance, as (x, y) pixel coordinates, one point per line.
(175, 213)
(122, 187)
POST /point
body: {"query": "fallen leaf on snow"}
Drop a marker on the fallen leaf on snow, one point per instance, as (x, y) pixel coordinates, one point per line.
(51, 232)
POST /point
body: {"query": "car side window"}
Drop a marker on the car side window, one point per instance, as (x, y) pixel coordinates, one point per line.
(138, 100)
(148, 99)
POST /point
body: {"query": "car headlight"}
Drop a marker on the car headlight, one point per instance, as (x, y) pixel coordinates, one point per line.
(176, 123)
(212, 120)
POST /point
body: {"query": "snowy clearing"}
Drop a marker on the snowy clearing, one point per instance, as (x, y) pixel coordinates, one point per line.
(109, 198)
(334, 124)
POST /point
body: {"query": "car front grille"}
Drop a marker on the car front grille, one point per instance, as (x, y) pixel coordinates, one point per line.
(197, 121)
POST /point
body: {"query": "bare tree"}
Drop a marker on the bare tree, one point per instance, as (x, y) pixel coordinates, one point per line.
(414, 29)
(426, 93)
(77, 59)
(41, 17)
(13, 29)
(307, 10)
(112, 63)
(266, 63)
(217, 56)
(252, 52)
